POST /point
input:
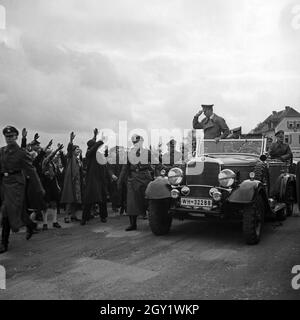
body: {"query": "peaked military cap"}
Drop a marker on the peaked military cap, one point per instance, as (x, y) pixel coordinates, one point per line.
(172, 142)
(207, 106)
(278, 132)
(10, 130)
(136, 138)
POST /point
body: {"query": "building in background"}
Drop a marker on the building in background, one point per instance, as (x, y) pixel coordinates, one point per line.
(287, 120)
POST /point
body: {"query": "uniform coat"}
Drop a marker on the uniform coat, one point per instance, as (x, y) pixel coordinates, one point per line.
(15, 163)
(280, 151)
(171, 157)
(213, 127)
(138, 177)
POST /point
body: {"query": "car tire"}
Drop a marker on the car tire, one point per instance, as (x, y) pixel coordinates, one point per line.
(253, 220)
(159, 218)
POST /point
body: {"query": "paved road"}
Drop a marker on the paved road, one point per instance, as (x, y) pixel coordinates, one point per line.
(197, 260)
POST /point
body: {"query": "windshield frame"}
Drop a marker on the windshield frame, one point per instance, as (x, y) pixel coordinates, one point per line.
(200, 149)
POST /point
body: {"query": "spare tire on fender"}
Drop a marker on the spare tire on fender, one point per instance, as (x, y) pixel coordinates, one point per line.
(261, 172)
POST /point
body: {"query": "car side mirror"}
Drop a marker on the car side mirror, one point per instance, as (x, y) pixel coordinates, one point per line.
(263, 157)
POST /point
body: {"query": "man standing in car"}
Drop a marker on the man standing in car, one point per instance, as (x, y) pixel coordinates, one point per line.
(214, 126)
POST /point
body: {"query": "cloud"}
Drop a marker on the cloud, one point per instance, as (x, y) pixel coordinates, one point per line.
(75, 65)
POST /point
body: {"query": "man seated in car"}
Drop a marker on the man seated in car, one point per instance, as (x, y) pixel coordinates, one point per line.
(280, 150)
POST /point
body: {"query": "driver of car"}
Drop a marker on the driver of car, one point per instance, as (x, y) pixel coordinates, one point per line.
(280, 150)
(214, 126)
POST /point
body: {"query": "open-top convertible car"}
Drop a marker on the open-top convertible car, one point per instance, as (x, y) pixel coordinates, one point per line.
(231, 179)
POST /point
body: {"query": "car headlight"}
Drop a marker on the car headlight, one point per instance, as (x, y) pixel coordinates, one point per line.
(226, 178)
(215, 194)
(175, 176)
(252, 175)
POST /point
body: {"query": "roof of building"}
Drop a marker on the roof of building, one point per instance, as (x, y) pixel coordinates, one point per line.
(276, 117)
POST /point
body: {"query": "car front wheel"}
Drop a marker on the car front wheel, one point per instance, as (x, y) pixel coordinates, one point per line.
(159, 218)
(253, 220)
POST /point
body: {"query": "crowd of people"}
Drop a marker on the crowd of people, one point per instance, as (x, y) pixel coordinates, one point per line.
(34, 179)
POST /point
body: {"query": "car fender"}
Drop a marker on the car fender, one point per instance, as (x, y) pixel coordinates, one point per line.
(158, 189)
(246, 191)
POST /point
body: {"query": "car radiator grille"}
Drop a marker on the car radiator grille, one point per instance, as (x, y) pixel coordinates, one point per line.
(199, 192)
(208, 176)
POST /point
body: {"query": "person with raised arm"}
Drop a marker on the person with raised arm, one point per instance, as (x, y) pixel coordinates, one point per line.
(95, 188)
(72, 189)
(15, 165)
(214, 126)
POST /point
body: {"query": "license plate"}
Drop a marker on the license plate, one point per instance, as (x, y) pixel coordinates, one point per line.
(192, 202)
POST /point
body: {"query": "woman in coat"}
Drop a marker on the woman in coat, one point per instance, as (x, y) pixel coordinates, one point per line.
(71, 194)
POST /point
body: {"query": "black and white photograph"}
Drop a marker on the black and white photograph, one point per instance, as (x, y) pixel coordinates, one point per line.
(150, 153)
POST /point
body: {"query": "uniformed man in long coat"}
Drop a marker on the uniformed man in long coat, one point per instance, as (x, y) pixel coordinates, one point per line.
(214, 126)
(280, 150)
(138, 172)
(169, 158)
(172, 156)
(15, 164)
(95, 189)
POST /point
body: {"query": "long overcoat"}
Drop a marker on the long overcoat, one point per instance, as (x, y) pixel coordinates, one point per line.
(72, 189)
(96, 177)
(138, 177)
(15, 165)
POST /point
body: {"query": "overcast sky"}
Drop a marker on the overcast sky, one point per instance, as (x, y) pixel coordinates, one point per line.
(78, 64)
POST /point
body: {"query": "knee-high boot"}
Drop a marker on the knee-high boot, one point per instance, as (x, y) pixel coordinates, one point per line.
(5, 235)
(134, 219)
(103, 211)
(86, 214)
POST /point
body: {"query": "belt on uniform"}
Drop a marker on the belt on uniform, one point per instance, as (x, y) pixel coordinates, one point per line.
(6, 174)
(139, 170)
